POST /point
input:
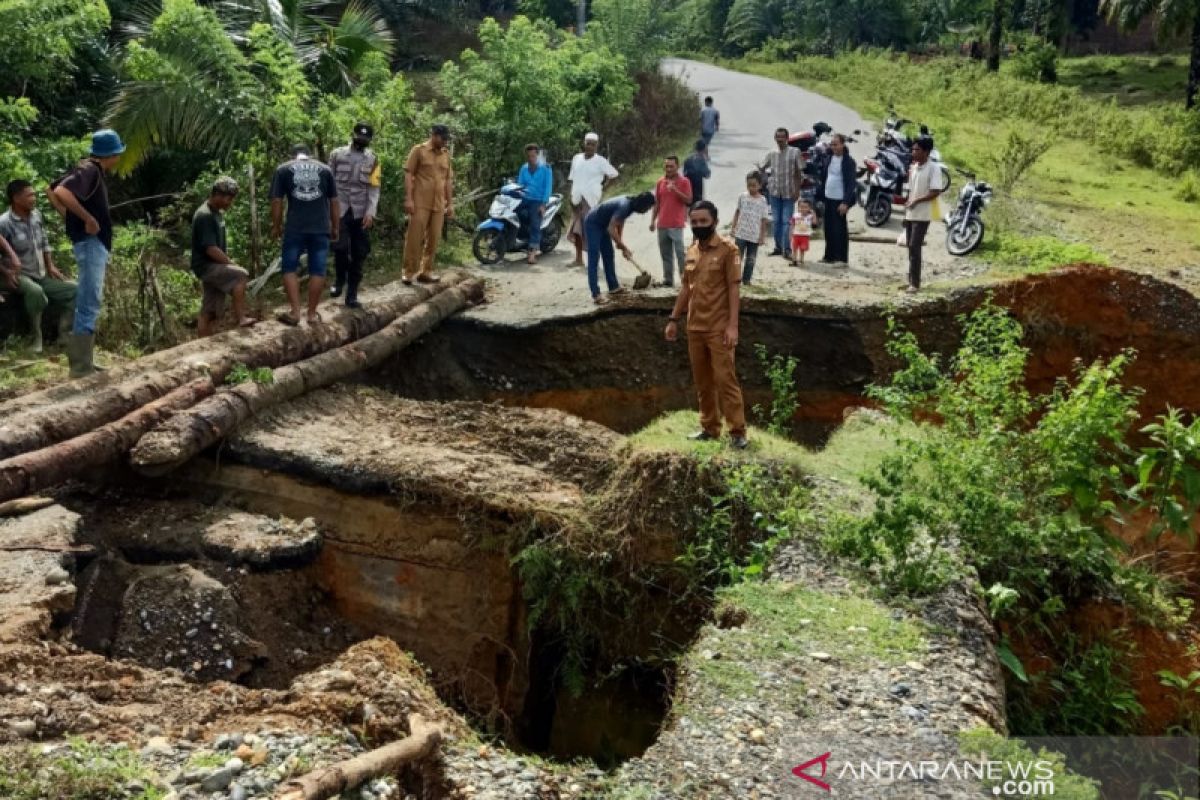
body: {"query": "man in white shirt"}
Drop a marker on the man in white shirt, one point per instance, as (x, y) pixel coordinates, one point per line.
(589, 173)
(924, 184)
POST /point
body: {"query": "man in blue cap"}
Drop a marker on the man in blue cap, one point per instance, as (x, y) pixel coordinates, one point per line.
(81, 196)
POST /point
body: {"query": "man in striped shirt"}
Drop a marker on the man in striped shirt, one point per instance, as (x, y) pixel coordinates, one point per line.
(786, 167)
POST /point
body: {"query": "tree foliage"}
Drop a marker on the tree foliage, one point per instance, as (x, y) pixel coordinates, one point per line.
(42, 39)
(530, 84)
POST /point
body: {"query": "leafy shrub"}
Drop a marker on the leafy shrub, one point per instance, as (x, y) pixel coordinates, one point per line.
(1189, 187)
(148, 293)
(1020, 151)
(1018, 488)
(781, 374)
(1036, 60)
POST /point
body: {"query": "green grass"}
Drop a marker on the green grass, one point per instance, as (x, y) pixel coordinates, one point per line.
(82, 771)
(670, 432)
(1081, 194)
(206, 760)
(985, 741)
(786, 622)
(1130, 80)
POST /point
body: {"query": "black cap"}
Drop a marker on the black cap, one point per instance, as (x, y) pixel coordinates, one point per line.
(363, 129)
(441, 130)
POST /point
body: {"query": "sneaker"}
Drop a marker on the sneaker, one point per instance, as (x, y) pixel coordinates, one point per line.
(739, 442)
(353, 304)
(618, 290)
(702, 436)
(406, 281)
(600, 300)
(775, 252)
(335, 291)
(423, 278)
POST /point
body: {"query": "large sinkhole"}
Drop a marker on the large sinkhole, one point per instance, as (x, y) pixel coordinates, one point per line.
(460, 489)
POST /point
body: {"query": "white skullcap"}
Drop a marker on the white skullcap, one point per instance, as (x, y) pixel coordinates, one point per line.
(592, 137)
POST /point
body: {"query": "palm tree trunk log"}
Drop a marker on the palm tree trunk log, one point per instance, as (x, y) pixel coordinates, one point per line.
(32, 471)
(62, 412)
(185, 435)
(335, 779)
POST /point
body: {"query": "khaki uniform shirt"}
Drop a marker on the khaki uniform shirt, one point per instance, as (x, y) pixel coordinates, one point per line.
(431, 174)
(357, 173)
(710, 272)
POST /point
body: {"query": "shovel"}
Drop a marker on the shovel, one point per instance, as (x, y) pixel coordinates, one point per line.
(642, 281)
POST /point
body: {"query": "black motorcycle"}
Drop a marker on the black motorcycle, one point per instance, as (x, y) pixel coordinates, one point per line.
(964, 225)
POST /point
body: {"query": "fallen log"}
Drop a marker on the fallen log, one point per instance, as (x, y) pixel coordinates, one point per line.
(344, 776)
(62, 412)
(24, 505)
(180, 438)
(30, 472)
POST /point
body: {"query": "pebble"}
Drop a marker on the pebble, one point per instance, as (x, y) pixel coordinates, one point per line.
(758, 736)
(236, 765)
(237, 792)
(57, 576)
(820, 656)
(87, 721)
(915, 666)
(218, 780)
(25, 728)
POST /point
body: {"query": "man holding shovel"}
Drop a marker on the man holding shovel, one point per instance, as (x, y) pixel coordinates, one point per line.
(710, 298)
(603, 227)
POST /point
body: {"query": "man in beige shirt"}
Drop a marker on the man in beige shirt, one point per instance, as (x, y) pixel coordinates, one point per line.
(710, 298)
(924, 184)
(428, 201)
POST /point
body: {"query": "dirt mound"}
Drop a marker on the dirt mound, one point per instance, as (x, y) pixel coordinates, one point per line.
(178, 616)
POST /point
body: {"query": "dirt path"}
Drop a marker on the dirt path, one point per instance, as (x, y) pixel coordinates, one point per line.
(751, 108)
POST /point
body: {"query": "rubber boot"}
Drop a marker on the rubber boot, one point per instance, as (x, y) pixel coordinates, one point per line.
(36, 322)
(79, 354)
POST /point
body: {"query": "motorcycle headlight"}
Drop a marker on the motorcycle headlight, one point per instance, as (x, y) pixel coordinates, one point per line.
(987, 200)
(963, 192)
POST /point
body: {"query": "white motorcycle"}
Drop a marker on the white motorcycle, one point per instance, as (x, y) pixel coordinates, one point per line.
(505, 230)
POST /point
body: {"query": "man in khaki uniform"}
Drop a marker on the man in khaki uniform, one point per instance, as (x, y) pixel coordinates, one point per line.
(710, 298)
(428, 201)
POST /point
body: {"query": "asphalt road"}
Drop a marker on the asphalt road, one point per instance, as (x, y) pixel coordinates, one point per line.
(751, 108)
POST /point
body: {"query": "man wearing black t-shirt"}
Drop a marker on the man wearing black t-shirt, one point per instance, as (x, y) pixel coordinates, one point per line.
(81, 196)
(313, 217)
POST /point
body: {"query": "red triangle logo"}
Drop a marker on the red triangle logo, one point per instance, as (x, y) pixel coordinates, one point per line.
(802, 771)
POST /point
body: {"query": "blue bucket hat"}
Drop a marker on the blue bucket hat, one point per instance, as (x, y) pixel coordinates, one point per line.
(107, 143)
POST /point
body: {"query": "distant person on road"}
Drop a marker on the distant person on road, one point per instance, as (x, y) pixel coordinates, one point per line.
(23, 238)
(211, 263)
(803, 222)
(428, 202)
(750, 225)
(710, 298)
(838, 187)
(672, 196)
(925, 182)
(81, 196)
(604, 227)
(313, 220)
(537, 179)
(710, 121)
(786, 167)
(696, 169)
(589, 172)
(358, 173)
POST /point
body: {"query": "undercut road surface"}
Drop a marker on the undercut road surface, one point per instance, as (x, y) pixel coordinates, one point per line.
(751, 108)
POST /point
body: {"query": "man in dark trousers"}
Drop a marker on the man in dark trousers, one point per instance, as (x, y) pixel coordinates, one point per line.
(356, 170)
(696, 169)
(925, 182)
(710, 298)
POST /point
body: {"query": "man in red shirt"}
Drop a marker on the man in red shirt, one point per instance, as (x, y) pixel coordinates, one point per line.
(672, 198)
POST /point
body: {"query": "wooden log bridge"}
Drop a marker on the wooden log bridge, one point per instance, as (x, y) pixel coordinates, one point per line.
(50, 436)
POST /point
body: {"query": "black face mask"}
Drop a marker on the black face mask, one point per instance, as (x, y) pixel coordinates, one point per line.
(703, 232)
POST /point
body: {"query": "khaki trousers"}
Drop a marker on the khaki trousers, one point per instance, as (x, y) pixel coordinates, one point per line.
(716, 383)
(421, 241)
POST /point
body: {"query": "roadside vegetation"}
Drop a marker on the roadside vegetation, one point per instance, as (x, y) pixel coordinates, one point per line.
(203, 89)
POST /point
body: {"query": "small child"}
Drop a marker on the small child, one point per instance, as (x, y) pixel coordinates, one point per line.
(750, 224)
(802, 228)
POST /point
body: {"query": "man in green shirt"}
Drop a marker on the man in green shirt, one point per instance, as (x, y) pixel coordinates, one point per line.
(212, 264)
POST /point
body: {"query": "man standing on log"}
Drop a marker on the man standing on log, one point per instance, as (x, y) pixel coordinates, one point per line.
(39, 281)
(428, 201)
(312, 223)
(81, 196)
(710, 299)
(356, 169)
(212, 264)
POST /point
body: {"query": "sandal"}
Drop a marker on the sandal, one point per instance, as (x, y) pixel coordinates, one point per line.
(247, 322)
(314, 318)
(600, 300)
(287, 319)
